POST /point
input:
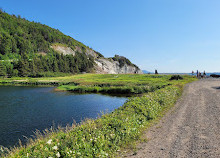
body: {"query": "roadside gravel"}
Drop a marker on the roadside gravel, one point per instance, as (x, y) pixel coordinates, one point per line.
(191, 129)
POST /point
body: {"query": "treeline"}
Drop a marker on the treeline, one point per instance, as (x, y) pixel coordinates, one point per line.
(44, 66)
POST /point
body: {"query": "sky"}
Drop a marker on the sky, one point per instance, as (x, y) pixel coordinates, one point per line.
(167, 35)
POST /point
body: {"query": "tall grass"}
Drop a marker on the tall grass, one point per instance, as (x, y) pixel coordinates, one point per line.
(112, 89)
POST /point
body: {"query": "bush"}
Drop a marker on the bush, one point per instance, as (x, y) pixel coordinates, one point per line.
(176, 77)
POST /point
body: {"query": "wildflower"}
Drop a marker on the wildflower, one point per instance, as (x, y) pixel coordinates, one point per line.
(49, 141)
(58, 154)
(50, 157)
(55, 148)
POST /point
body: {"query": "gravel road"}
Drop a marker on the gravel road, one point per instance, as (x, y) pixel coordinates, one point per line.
(191, 129)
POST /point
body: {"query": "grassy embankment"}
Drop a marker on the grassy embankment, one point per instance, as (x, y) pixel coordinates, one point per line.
(111, 132)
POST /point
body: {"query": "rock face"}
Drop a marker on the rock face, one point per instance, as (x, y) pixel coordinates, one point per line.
(63, 49)
(103, 65)
(113, 67)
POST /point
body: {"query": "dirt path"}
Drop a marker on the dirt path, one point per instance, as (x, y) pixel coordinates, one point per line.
(191, 129)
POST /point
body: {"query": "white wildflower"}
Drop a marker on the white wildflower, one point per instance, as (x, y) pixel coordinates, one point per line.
(58, 154)
(49, 141)
(55, 148)
(50, 157)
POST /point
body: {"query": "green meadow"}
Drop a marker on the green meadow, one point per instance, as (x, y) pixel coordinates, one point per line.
(108, 135)
(103, 83)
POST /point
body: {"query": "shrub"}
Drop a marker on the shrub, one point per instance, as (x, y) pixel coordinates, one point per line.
(176, 77)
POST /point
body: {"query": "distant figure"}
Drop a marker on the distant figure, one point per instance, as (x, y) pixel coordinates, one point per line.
(192, 73)
(156, 72)
(197, 73)
(204, 74)
(200, 75)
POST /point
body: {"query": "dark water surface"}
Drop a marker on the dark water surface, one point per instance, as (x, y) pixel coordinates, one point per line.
(25, 109)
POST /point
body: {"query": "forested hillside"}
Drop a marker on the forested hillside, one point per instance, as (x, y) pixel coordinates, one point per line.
(25, 49)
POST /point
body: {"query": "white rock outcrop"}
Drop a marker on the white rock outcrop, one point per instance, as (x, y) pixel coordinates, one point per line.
(113, 67)
(103, 65)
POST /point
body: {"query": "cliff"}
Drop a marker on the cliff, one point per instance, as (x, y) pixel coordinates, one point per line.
(115, 65)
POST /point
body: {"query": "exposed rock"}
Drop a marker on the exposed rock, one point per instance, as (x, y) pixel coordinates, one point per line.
(103, 65)
(63, 49)
(113, 67)
(42, 53)
(67, 50)
(91, 52)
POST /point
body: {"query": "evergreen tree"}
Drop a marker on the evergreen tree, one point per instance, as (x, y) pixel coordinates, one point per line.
(33, 68)
(23, 65)
(55, 66)
(2, 69)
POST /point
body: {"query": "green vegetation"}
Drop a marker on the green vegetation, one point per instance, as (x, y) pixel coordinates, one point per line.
(122, 61)
(25, 49)
(176, 77)
(103, 83)
(111, 132)
(111, 89)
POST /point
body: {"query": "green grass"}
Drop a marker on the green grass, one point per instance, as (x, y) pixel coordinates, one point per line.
(102, 83)
(105, 136)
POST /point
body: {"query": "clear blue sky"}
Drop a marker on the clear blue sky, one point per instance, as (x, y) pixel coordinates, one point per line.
(168, 35)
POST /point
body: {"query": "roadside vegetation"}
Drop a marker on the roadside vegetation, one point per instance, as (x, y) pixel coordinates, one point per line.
(107, 135)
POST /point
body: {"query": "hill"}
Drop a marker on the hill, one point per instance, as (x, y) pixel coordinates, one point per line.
(33, 49)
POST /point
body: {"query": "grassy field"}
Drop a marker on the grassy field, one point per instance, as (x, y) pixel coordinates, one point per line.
(106, 136)
(101, 83)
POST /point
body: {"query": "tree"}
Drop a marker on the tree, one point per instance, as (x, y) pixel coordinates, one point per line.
(33, 67)
(55, 66)
(5, 43)
(23, 65)
(2, 69)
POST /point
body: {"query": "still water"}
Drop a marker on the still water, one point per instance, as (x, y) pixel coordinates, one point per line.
(25, 109)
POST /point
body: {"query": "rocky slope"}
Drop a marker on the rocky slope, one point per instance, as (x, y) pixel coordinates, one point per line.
(113, 67)
(103, 65)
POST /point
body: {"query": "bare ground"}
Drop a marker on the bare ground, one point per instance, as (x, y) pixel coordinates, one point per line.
(191, 129)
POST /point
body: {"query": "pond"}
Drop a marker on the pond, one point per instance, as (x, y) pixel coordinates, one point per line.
(25, 109)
